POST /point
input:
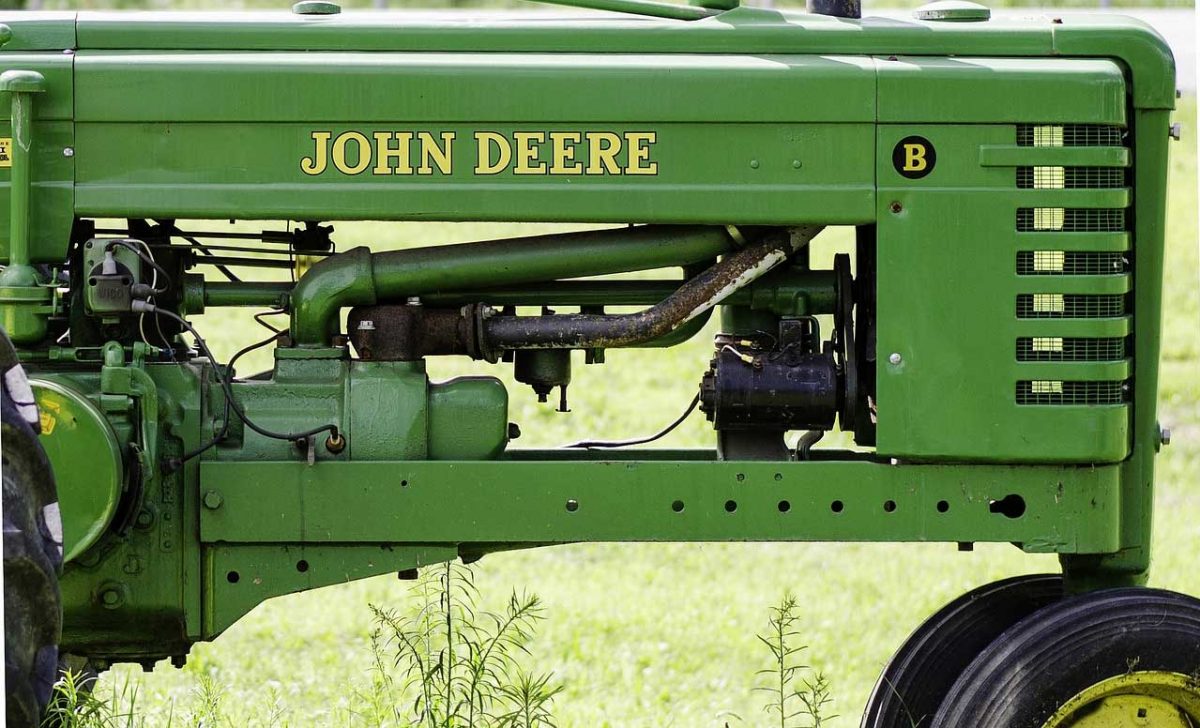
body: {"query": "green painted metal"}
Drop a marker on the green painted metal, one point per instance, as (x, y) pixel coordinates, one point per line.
(696, 131)
(249, 293)
(86, 456)
(673, 11)
(968, 305)
(744, 30)
(526, 502)
(22, 297)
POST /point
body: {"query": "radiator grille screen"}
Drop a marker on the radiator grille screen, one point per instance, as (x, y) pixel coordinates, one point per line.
(1069, 263)
(1086, 348)
(1069, 178)
(1069, 305)
(1070, 220)
(1046, 391)
(1060, 348)
(1069, 135)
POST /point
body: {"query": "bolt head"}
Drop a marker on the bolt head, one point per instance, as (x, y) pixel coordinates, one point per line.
(895, 358)
(1164, 435)
(213, 500)
(112, 597)
(68, 151)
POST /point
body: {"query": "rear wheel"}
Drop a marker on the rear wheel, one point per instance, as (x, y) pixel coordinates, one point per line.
(32, 552)
(1119, 657)
(921, 673)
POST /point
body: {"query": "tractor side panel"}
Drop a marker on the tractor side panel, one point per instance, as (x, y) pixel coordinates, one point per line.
(1005, 262)
(52, 147)
(714, 139)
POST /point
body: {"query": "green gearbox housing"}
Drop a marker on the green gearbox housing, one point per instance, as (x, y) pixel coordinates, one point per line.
(992, 345)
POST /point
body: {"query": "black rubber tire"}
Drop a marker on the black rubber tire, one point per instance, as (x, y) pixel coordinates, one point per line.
(1052, 655)
(32, 559)
(917, 678)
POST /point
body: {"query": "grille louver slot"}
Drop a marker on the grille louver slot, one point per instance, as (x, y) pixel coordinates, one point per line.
(1070, 348)
(1070, 305)
(1069, 263)
(1069, 135)
(1055, 392)
(1069, 178)
(1070, 220)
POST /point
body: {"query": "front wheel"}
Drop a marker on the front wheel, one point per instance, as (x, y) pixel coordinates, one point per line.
(1118, 657)
(914, 683)
(32, 551)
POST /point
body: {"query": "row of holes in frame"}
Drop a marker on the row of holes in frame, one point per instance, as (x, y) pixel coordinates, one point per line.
(1012, 506)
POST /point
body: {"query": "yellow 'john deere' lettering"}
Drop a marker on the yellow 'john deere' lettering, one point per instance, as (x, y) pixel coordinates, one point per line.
(390, 153)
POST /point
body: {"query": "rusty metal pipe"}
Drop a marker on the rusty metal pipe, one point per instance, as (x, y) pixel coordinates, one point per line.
(698, 295)
(360, 278)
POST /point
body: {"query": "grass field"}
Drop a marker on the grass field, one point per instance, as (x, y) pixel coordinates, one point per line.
(664, 635)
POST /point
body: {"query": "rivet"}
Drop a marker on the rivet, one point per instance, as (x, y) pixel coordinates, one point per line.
(68, 151)
(796, 164)
(753, 164)
(895, 358)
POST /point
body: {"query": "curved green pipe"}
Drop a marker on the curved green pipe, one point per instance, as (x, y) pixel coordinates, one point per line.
(361, 278)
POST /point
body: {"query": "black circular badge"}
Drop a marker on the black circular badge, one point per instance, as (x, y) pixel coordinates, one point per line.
(914, 157)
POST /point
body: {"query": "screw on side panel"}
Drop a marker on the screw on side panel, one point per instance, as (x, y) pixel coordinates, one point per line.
(1176, 131)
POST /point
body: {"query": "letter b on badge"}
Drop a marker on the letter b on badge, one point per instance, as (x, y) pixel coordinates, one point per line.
(914, 157)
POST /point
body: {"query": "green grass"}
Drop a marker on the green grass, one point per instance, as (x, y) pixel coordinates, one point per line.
(665, 634)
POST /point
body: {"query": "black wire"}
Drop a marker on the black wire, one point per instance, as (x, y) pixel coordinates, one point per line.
(145, 258)
(224, 431)
(227, 385)
(640, 440)
(272, 312)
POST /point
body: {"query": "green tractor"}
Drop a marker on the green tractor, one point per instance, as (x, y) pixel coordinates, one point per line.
(990, 348)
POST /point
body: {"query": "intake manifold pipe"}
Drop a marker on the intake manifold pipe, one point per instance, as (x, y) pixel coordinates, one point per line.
(361, 278)
(692, 299)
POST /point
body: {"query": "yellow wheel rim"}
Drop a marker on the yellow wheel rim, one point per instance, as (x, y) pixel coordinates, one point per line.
(1142, 699)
